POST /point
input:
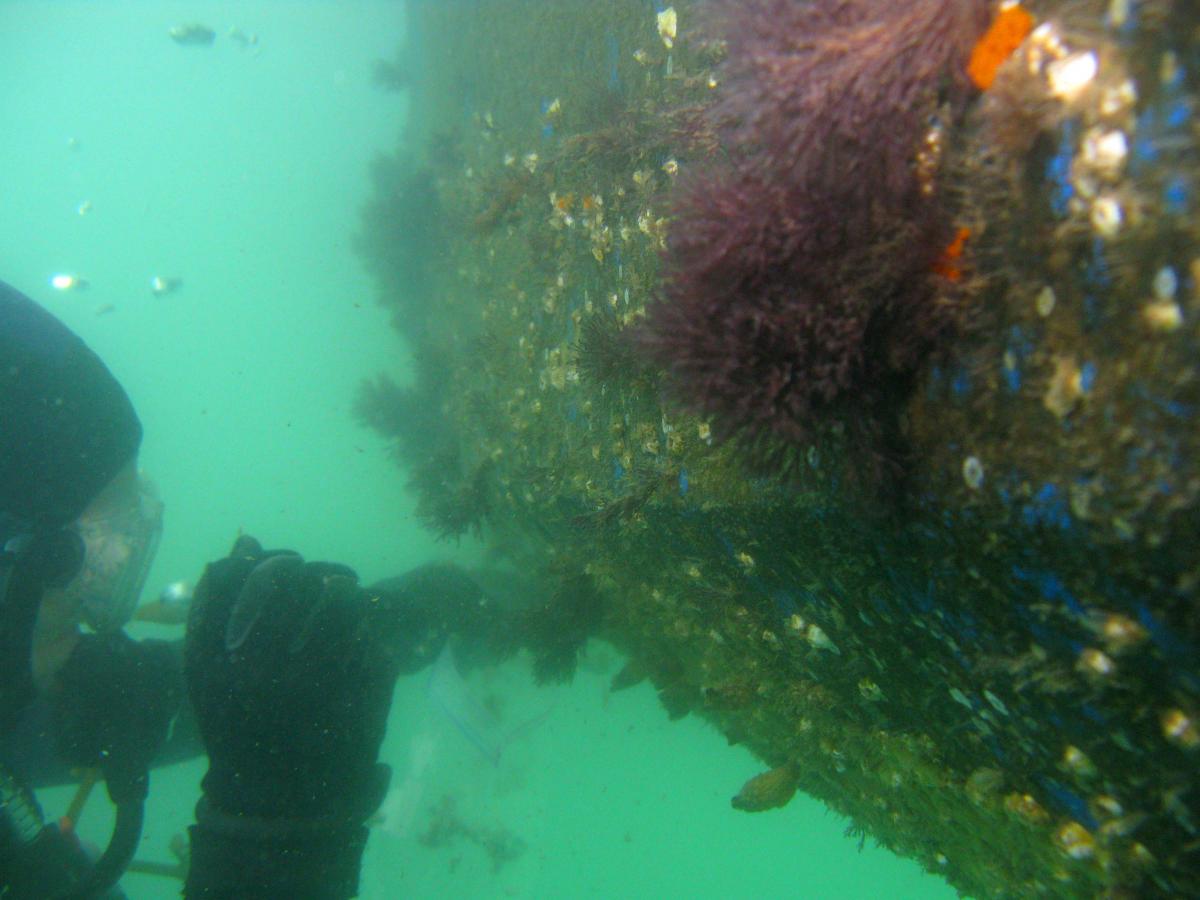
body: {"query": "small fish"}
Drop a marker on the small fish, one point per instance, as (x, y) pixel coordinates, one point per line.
(192, 35)
(65, 281)
(769, 790)
(161, 286)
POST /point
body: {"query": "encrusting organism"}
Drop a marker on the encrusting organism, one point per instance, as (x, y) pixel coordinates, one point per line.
(802, 284)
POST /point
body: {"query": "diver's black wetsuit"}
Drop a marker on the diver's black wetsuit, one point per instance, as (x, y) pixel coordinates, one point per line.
(66, 430)
(289, 665)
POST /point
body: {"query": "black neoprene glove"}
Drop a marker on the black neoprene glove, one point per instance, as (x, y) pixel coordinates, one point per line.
(112, 704)
(290, 669)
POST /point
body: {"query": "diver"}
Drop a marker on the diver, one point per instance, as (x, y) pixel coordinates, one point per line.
(285, 675)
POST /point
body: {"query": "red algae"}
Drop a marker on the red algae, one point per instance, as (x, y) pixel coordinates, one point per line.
(801, 271)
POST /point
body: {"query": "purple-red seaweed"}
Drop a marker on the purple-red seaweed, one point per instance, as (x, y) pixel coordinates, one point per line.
(802, 286)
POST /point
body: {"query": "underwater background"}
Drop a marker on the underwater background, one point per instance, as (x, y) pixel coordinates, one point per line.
(242, 170)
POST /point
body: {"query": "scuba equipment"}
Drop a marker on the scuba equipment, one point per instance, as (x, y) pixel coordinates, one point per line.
(43, 861)
(119, 548)
(112, 704)
(30, 562)
(46, 862)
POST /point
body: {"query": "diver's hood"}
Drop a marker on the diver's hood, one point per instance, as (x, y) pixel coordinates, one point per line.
(68, 427)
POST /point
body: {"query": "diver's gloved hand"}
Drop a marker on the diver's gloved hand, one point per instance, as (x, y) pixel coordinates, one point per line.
(437, 601)
(112, 705)
(290, 673)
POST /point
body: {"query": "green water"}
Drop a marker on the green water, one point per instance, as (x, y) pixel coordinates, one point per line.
(242, 171)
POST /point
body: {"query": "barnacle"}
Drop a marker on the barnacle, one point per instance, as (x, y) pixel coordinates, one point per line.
(983, 784)
(1180, 729)
(1065, 387)
(1026, 808)
(1075, 841)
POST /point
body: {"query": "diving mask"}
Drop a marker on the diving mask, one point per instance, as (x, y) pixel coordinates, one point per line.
(119, 548)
